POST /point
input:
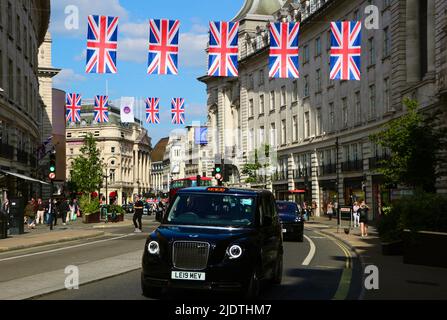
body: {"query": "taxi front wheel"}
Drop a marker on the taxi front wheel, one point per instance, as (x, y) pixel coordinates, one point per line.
(254, 287)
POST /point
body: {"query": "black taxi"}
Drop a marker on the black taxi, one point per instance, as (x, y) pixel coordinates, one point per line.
(215, 238)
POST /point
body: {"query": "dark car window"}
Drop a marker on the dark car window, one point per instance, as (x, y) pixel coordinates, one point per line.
(212, 210)
(269, 213)
(287, 208)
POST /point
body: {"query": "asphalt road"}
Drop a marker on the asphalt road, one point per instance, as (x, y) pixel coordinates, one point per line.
(322, 271)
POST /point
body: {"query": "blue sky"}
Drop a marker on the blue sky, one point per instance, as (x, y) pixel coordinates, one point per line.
(69, 47)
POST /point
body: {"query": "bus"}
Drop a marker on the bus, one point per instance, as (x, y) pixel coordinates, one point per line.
(187, 183)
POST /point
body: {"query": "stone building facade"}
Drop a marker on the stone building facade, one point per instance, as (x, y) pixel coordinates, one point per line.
(318, 130)
(23, 26)
(157, 156)
(125, 152)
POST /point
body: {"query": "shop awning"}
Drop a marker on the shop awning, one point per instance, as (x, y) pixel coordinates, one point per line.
(21, 176)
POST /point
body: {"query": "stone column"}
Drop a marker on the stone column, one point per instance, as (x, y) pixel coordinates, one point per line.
(315, 185)
(431, 36)
(413, 41)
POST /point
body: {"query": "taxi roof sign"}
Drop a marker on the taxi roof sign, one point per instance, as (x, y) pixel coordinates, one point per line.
(216, 189)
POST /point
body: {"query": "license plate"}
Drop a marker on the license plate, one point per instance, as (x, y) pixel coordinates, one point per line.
(184, 275)
(284, 230)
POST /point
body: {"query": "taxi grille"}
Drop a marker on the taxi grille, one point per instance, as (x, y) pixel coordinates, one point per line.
(190, 255)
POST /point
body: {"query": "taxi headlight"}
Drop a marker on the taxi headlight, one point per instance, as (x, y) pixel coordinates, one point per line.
(234, 251)
(153, 247)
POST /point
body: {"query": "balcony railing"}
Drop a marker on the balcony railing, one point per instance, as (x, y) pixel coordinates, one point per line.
(22, 156)
(6, 151)
(352, 166)
(302, 173)
(280, 176)
(377, 162)
(327, 169)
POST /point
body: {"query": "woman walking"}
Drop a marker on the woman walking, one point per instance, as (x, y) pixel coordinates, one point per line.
(40, 211)
(330, 210)
(363, 213)
(355, 210)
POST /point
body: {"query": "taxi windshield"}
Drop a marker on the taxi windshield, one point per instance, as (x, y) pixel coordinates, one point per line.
(212, 209)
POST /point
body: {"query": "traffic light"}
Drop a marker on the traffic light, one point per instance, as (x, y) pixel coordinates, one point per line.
(227, 172)
(52, 167)
(218, 173)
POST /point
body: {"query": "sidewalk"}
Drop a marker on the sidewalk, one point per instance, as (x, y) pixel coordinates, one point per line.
(397, 280)
(75, 230)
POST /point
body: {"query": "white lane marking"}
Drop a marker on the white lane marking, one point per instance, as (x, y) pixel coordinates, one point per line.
(312, 251)
(65, 248)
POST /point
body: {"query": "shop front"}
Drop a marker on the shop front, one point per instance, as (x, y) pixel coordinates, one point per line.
(381, 195)
(353, 191)
(328, 193)
(281, 191)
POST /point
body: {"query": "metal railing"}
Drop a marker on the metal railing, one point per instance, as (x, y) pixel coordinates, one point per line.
(352, 166)
(327, 169)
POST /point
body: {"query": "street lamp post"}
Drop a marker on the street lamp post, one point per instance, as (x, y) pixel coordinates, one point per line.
(107, 191)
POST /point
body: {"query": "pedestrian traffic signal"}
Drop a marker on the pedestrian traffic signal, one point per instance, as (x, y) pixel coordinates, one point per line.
(218, 173)
(52, 167)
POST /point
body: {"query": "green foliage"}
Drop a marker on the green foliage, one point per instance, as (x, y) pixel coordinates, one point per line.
(87, 174)
(421, 212)
(88, 206)
(115, 208)
(413, 143)
(251, 169)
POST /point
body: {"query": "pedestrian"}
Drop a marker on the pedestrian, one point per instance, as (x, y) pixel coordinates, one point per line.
(40, 211)
(30, 215)
(49, 208)
(314, 209)
(138, 214)
(330, 210)
(356, 214)
(64, 210)
(363, 213)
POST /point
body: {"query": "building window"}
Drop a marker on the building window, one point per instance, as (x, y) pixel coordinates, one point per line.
(319, 123)
(372, 102)
(11, 79)
(273, 134)
(250, 82)
(261, 77)
(112, 149)
(386, 42)
(112, 175)
(250, 108)
(295, 91)
(283, 96)
(356, 15)
(344, 104)
(71, 150)
(306, 125)
(329, 40)
(387, 94)
(318, 47)
(318, 80)
(19, 95)
(295, 128)
(358, 110)
(283, 132)
(261, 104)
(306, 86)
(306, 54)
(272, 100)
(331, 117)
(261, 135)
(10, 18)
(372, 52)
(18, 36)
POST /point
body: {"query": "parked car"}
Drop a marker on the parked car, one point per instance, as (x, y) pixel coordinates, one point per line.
(217, 239)
(128, 208)
(291, 219)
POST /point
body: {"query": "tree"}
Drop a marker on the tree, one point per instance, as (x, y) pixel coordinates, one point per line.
(251, 169)
(87, 173)
(414, 145)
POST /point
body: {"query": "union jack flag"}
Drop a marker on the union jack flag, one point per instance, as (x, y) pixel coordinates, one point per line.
(223, 49)
(346, 50)
(153, 110)
(73, 106)
(284, 51)
(102, 43)
(101, 109)
(163, 46)
(178, 110)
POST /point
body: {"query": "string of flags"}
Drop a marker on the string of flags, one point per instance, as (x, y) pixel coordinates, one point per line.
(101, 109)
(163, 49)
